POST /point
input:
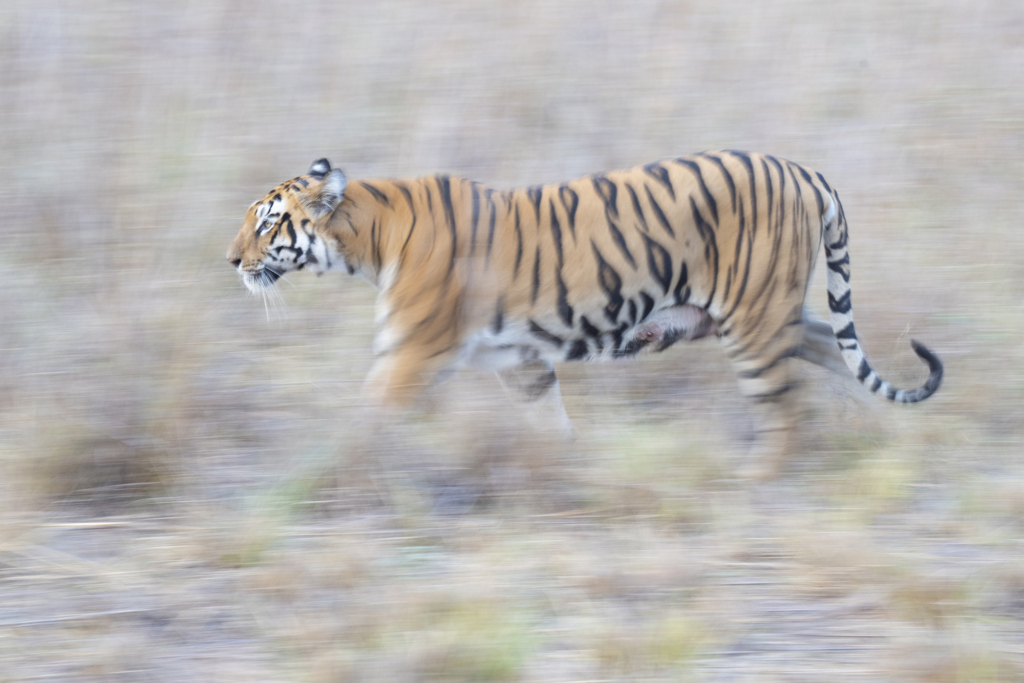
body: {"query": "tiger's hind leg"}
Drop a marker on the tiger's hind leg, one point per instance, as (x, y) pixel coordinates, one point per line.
(534, 387)
(765, 374)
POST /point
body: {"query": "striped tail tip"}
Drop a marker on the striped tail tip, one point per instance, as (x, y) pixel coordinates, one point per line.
(934, 371)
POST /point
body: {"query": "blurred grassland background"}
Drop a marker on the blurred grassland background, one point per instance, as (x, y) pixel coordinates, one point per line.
(186, 493)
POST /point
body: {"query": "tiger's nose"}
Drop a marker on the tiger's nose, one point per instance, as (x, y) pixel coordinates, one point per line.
(234, 261)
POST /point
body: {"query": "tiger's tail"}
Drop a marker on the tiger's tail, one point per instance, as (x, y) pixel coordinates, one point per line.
(837, 258)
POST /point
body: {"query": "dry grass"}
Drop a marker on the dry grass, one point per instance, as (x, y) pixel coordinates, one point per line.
(186, 493)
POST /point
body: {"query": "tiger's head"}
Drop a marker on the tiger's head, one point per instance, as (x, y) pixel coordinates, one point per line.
(285, 230)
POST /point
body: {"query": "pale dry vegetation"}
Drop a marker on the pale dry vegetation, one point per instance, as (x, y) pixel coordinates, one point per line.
(186, 493)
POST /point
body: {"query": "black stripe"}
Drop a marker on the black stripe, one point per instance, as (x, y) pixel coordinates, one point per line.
(746, 266)
(588, 328)
(536, 277)
(444, 185)
(648, 302)
(539, 332)
(660, 173)
(499, 316)
(475, 219)
(412, 210)
(377, 194)
(757, 372)
(863, 370)
(796, 182)
(728, 284)
(679, 285)
(556, 234)
(617, 336)
(490, 230)
(564, 309)
(707, 235)
(277, 251)
(579, 349)
(375, 243)
(935, 369)
(773, 261)
(817, 193)
(843, 261)
(745, 159)
(611, 284)
(728, 178)
(841, 305)
(632, 312)
(708, 198)
(837, 266)
(571, 201)
(535, 194)
(519, 244)
(782, 194)
(430, 201)
(591, 331)
(780, 219)
(608, 192)
(287, 221)
(769, 189)
(838, 244)
(847, 332)
(660, 214)
(659, 263)
(824, 182)
(636, 207)
(731, 270)
(620, 242)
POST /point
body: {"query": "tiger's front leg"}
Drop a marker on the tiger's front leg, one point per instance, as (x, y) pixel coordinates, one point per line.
(396, 381)
(410, 356)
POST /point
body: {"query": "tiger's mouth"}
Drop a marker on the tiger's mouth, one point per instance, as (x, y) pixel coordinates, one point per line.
(260, 279)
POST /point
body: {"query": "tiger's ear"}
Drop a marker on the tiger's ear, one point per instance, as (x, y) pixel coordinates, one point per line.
(324, 199)
(320, 168)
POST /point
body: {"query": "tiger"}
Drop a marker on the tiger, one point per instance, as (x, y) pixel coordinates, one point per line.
(606, 266)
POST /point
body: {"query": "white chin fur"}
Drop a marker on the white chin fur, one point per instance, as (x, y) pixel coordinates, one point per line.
(255, 282)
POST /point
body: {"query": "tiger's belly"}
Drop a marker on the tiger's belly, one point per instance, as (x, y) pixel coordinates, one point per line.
(529, 341)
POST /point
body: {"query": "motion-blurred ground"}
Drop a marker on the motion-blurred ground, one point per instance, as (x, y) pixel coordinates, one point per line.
(185, 492)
